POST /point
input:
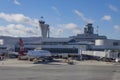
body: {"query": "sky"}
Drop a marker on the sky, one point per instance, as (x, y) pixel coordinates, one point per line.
(19, 18)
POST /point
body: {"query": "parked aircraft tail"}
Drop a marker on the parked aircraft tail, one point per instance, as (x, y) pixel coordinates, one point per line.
(22, 49)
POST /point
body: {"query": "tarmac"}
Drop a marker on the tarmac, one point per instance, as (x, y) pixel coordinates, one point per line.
(25, 63)
(16, 63)
(13, 69)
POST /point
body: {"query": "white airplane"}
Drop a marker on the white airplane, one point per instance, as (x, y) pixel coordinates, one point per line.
(39, 55)
(33, 54)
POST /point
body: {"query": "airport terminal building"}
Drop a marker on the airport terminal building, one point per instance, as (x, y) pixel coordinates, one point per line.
(86, 41)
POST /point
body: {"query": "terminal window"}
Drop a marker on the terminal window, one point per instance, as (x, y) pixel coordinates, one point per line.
(115, 43)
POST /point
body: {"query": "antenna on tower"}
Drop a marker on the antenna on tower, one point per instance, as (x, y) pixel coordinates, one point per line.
(97, 30)
(41, 18)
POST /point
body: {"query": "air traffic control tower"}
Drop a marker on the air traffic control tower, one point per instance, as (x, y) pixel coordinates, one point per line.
(44, 29)
(88, 34)
(89, 29)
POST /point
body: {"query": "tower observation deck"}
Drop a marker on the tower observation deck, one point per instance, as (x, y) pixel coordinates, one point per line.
(89, 29)
(44, 29)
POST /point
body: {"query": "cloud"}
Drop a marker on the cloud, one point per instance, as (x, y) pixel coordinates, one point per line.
(112, 7)
(107, 18)
(70, 26)
(84, 18)
(117, 28)
(19, 18)
(64, 29)
(18, 30)
(56, 10)
(17, 2)
(19, 27)
(56, 32)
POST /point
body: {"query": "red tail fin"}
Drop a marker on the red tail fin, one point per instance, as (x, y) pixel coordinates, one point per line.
(22, 50)
(21, 42)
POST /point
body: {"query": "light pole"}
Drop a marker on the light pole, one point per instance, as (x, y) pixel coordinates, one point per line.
(80, 53)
